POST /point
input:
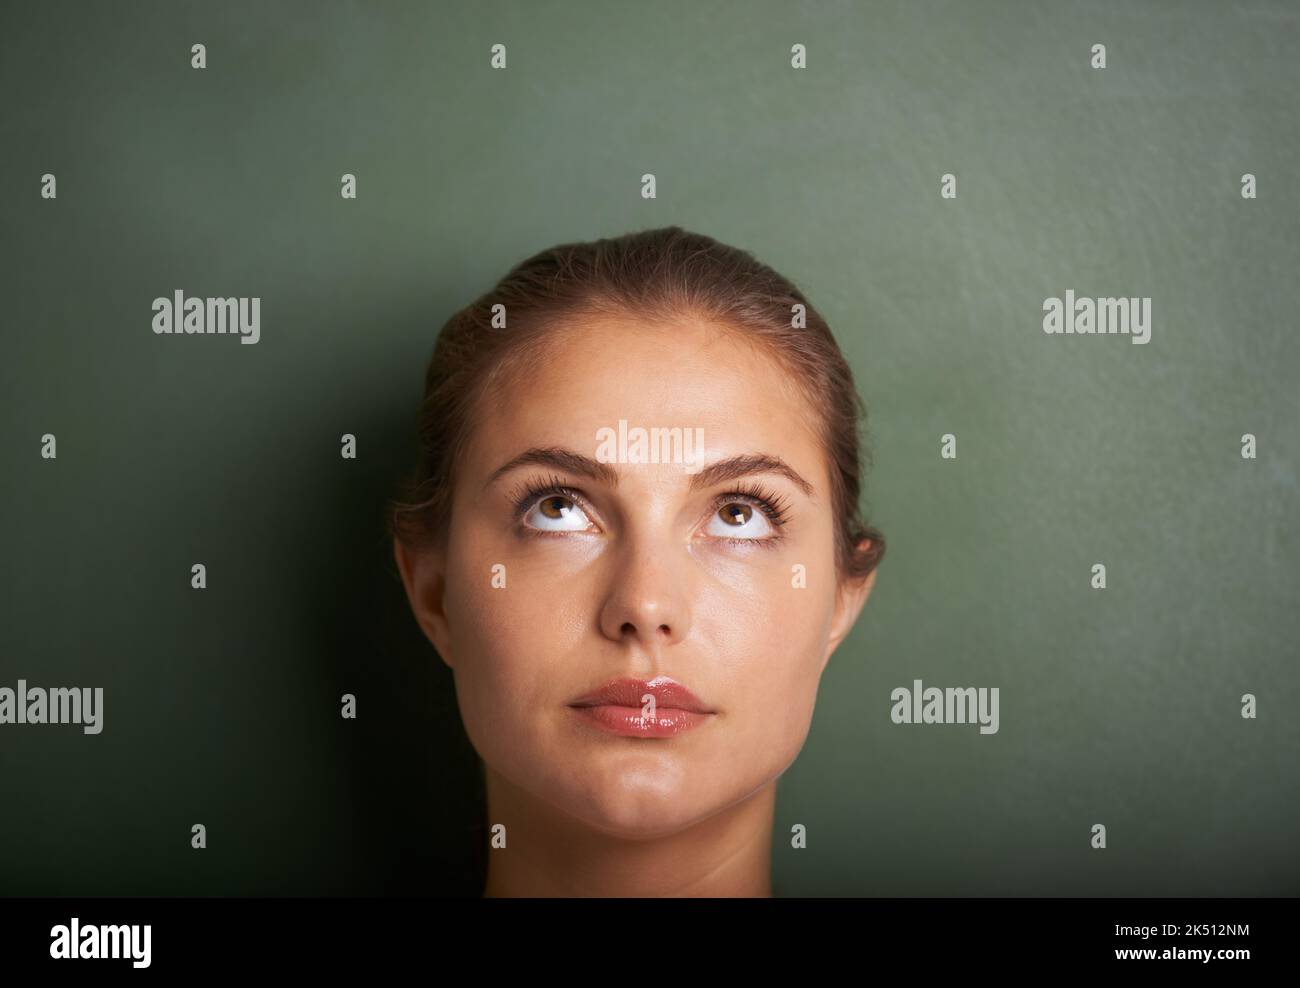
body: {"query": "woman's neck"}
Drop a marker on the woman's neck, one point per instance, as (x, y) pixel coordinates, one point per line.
(549, 853)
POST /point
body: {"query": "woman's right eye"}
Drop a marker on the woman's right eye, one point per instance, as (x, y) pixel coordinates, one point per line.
(557, 513)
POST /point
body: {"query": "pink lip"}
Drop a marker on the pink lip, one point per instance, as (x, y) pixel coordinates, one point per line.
(617, 706)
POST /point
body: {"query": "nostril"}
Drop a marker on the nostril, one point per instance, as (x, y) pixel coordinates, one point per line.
(630, 629)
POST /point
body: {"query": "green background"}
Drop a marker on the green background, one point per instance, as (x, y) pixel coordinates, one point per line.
(1119, 706)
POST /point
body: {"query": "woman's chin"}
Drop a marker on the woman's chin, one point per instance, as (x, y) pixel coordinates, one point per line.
(629, 814)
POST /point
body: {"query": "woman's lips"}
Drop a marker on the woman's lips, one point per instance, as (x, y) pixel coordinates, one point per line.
(621, 707)
(627, 721)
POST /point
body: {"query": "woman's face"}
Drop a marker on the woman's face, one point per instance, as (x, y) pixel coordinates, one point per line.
(638, 570)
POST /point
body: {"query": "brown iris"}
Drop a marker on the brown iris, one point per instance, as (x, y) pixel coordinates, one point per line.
(556, 504)
(736, 513)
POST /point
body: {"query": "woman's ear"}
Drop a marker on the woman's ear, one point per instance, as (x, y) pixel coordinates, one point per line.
(424, 577)
(849, 600)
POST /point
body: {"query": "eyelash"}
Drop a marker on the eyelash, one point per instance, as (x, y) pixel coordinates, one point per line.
(773, 505)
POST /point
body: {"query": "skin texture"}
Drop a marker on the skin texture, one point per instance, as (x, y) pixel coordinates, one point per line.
(636, 580)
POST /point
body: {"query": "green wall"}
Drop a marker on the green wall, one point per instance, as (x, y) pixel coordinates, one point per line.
(1119, 707)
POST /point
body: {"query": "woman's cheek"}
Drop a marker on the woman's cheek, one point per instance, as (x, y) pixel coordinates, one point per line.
(748, 570)
(500, 588)
(489, 634)
(784, 671)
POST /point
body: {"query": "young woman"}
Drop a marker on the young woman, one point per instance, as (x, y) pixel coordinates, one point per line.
(634, 537)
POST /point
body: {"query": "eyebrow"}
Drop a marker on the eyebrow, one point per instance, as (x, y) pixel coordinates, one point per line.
(732, 468)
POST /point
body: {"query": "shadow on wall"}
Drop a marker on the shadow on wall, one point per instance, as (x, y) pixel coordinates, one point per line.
(418, 811)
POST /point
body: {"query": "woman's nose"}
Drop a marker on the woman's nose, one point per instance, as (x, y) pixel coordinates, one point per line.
(647, 600)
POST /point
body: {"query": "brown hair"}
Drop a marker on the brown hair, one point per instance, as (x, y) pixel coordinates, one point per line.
(652, 273)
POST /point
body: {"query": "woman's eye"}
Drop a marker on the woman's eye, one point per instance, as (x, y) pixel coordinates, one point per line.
(556, 513)
(740, 520)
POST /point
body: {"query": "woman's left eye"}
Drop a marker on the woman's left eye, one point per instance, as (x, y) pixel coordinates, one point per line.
(557, 513)
(740, 520)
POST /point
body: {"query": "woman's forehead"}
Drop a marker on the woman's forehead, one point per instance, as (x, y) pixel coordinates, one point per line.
(617, 383)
